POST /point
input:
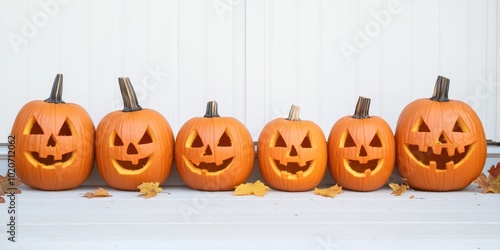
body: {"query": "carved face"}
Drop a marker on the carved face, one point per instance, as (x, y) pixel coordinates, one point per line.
(292, 154)
(54, 145)
(214, 153)
(134, 147)
(441, 145)
(361, 153)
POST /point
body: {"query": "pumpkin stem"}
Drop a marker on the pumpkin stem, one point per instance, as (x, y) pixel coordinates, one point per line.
(57, 90)
(441, 89)
(130, 103)
(362, 108)
(211, 110)
(294, 113)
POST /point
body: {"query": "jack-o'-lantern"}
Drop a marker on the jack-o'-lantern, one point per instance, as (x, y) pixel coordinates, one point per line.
(133, 145)
(361, 150)
(54, 142)
(441, 143)
(292, 153)
(214, 153)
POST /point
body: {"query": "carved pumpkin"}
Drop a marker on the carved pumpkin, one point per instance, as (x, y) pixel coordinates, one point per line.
(292, 153)
(361, 150)
(54, 142)
(133, 145)
(441, 143)
(214, 153)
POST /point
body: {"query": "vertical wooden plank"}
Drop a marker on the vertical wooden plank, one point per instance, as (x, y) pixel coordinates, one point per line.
(105, 18)
(135, 47)
(396, 60)
(372, 20)
(44, 60)
(162, 38)
(284, 58)
(239, 62)
(74, 50)
(490, 80)
(192, 59)
(219, 58)
(496, 134)
(14, 51)
(454, 46)
(338, 52)
(257, 94)
(308, 59)
(425, 51)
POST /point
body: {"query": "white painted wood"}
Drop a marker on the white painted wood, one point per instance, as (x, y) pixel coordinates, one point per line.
(255, 58)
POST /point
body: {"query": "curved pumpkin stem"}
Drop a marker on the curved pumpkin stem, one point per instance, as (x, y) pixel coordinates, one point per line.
(362, 108)
(441, 89)
(211, 110)
(294, 113)
(130, 103)
(57, 89)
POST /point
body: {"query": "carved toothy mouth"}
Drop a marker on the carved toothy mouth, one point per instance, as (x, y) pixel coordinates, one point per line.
(212, 167)
(291, 169)
(370, 166)
(441, 161)
(50, 161)
(128, 165)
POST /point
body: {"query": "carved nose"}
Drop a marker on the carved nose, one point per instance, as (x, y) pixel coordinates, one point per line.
(362, 151)
(208, 151)
(443, 139)
(51, 142)
(131, 150)
(293, 152)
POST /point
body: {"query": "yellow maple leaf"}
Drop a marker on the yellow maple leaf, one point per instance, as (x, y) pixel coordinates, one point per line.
(150, 189)
(258, 188)
(329, 192)
(398, 189)
(99, 192)
(490, 183)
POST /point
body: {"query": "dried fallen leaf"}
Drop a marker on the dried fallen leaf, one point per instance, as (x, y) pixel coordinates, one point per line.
(490, 183)
(150, 189)
(2, 200)
(258, 188)
(100, 192)
(412, 197)
(7, 185)
(398, 189)
(329, 192)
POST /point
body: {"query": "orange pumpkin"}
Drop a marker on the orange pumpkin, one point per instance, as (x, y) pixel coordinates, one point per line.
(214, 153)
(54, 142)
(133, 145)
(361, 150)
(292, 153)
(441, 143)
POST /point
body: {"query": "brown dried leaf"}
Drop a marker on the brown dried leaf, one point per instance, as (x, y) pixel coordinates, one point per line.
(150, 189)
(482, 182)
(329, 192)
(100, 192)
(398, 189)
(7, 185)
(495, 185)
(258, 188)
(2, 200)
(495, 170)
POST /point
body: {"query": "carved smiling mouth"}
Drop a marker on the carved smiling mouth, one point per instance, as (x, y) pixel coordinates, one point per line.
(212, 167)
(292, 167)
(442, 160)
(361, 168)
(50, 159)
(128, 165)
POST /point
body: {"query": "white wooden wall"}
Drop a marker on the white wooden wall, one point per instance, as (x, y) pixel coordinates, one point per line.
(255, 57)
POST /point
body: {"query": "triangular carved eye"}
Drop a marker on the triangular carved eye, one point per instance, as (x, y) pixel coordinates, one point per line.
(65, 130)
(421, 126)
(349, 142)
(460, 126)
(117, 141)
(146, 138)
(36, 129)
(376, 142)
(306, 143)
(280, 142)
(225, 140)
(197, 143)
